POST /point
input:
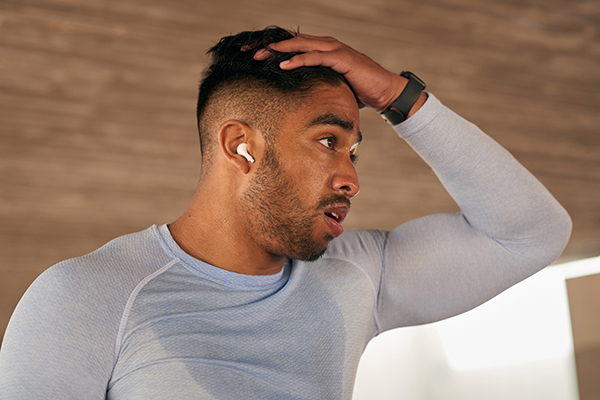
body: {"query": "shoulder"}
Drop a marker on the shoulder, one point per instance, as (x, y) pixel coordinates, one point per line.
(357, 245)
(362, 249)
(97, 285)
(68, 321)
(127, 258)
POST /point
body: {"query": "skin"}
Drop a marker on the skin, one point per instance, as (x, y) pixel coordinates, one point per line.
(314, 177)
(241, 220)
(374, 86)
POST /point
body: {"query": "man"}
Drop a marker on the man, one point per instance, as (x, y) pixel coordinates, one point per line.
(254, 292)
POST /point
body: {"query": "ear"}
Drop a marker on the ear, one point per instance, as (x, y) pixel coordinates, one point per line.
(232, 133)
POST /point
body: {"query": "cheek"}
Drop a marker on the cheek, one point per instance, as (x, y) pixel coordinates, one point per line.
(313, 175)
(308, 170)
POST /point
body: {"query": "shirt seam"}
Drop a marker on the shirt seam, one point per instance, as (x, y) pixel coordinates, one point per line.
(375, 293)
(132, 297)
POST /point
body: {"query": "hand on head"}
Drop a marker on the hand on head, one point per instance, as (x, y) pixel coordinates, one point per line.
(373, 85)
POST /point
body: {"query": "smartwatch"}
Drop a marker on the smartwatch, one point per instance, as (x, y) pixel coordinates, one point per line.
(399, 109)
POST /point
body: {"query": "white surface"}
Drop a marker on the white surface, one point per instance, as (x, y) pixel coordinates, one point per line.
(518, 345)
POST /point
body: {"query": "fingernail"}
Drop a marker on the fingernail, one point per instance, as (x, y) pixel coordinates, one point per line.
(284, 63)
(259, 53)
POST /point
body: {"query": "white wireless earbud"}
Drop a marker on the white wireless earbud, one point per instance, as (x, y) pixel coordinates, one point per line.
(242, 150)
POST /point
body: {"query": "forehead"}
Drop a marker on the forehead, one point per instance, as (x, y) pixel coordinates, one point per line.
(326, 106)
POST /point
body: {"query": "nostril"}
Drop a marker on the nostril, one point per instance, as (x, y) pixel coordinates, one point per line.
(345, 184)
(349, 191)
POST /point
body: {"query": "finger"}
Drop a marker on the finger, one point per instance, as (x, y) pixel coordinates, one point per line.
(306, 43)
(262, 54)
(302, 43)
(335, 60)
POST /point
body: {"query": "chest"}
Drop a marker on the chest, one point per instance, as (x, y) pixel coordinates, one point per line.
(304, 336)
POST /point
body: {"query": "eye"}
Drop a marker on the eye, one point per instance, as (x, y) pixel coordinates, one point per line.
(353, 156)
(328, 142)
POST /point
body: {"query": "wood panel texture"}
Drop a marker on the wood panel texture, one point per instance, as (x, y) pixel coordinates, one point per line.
(97, 98)
(584, 303)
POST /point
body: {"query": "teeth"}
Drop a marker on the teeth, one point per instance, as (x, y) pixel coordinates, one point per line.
(335, 215)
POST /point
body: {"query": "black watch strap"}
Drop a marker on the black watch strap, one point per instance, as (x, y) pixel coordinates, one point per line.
(399, 109)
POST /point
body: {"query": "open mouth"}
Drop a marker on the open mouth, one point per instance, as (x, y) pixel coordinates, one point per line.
(337, 213)
(334, 217)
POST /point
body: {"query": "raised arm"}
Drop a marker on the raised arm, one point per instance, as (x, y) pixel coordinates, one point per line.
(509, 226)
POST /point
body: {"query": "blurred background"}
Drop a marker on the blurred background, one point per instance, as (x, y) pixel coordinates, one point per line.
(98, 135)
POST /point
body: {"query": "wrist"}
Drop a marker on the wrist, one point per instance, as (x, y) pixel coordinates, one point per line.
(409, 97)
(395, 89)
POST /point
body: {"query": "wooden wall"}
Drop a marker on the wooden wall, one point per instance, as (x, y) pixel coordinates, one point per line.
(97, 124)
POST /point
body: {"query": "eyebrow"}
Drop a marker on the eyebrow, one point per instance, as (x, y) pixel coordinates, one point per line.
(332, 119)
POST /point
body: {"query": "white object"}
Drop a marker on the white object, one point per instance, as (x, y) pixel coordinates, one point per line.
(242, 150)
(517, 346)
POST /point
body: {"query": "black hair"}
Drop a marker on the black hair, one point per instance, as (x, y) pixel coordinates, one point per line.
(234, 69)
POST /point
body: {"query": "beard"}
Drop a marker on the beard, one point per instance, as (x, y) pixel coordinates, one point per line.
(284, 225)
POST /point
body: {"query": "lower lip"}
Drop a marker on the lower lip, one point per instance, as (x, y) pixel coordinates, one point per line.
(336, 228)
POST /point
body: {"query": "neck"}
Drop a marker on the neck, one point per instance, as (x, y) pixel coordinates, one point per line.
(213, 229)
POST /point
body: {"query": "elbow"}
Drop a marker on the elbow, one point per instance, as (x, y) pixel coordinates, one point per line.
(554, 235)
(539, 237)
(564, 227)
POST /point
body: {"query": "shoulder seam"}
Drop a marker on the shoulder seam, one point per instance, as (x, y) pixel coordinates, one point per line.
(129, 304)
(375, 293)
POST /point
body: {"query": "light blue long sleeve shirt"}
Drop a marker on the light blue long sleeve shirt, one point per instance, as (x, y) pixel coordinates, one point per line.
(141, 319)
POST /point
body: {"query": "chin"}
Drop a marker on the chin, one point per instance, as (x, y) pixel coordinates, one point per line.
(314, 256)
(313, 252)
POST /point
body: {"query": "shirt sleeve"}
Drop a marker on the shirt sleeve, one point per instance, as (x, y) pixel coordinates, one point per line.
(59, 341)
(509, 226)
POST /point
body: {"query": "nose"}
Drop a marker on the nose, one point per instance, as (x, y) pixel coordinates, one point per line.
(345, 180)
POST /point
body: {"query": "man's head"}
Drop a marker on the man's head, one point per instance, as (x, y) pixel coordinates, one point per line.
(258, 93)
(301, 126)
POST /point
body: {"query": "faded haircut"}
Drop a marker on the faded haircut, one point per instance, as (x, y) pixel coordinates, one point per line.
(258, 93)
